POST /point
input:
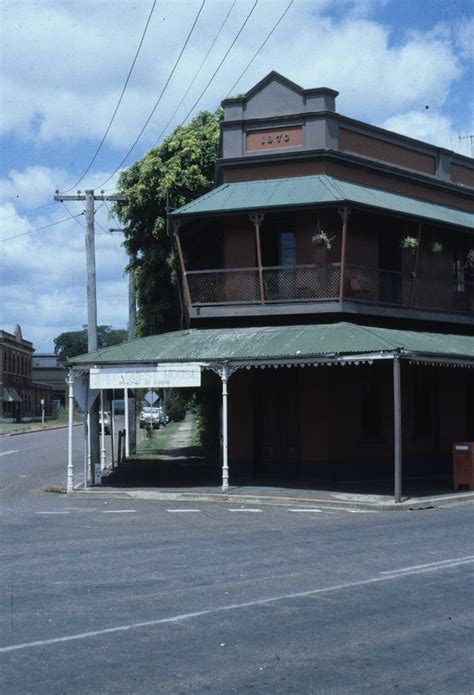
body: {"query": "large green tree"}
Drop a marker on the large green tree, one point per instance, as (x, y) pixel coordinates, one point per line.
(175, 172)
(72, 343)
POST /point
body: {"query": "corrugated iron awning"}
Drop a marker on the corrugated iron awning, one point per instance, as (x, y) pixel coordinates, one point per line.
(299, 191)
(283, 344)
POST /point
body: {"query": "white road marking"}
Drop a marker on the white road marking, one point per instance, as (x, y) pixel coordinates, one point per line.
(119, 511)
(51, 513)
(179, 511)
(245, 510)
(435, 565)
(305, 510)
(236, 606)
(359, 511)
(11, 451)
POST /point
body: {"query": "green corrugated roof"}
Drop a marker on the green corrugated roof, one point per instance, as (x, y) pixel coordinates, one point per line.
(278, 342)
(313, 190)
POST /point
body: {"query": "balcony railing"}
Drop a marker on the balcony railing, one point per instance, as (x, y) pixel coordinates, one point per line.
(321, 283)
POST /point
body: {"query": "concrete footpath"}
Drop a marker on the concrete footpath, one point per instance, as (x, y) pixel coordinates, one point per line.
(266, 495)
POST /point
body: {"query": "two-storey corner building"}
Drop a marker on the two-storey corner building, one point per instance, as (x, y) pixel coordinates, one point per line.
(331, 243)
(20, 396)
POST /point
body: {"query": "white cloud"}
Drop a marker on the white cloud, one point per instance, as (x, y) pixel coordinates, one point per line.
(42, 272)
(66, 67)
(428, 127)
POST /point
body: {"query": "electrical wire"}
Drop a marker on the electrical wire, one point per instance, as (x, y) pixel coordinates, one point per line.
(220, 64)
(261, 47)
(197, 73)
(159, 98)
(25, 212)
(71, 215)
(39, 229)
(86, 171)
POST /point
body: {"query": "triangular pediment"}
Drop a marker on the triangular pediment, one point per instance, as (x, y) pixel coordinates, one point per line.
(275, 95)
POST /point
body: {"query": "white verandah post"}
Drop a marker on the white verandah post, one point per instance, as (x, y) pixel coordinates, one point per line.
(102, 432)
(225, 433)
(127, 424)
(70, 469)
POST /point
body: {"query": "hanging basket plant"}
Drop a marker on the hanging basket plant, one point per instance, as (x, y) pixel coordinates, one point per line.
(409, 244)
(436, 248)
(320, 239)
(469, 264)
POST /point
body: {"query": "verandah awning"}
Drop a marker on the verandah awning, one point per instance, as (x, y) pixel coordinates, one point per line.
(225, 350)
(300, 191)
(284, 344)
(10, 395)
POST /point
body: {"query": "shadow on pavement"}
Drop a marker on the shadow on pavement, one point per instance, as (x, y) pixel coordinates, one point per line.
(183, 468)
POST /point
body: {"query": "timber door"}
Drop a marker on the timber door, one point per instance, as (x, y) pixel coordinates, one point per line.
(277, 425)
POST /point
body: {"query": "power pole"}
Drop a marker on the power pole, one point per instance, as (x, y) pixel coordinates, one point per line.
(132, 301)
(89, 197)
(131, 420)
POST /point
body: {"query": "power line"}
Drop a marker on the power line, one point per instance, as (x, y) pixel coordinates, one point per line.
(196, 74)
(73, 217)
(261, 47)
(39, 229)
(220, 64)
(160, 96)
(119, 101)
(25, 212)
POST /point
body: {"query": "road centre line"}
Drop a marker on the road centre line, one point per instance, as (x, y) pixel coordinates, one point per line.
(448, 564)
(11, 451)
(305, 510)
(119, 511)
(180, 511)
(435, 565)
(253, 511)
(45, 513)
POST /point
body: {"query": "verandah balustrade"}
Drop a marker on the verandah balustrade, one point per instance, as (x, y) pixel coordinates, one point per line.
(320, 283)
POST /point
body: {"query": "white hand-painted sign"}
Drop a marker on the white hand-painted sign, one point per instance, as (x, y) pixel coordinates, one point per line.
(162, 376)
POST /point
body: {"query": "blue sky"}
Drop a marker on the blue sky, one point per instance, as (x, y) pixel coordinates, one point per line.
(401, 64)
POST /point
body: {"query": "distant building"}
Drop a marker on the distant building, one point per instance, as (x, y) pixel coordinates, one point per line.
(20, 396)
(48, 370)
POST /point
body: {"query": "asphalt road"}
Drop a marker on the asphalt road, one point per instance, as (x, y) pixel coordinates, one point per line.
(111, 595)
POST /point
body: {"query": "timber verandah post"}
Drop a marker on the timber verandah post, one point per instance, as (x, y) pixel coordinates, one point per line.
(187, 294)
(257, 219)
(397, 429)
(344, 213)
(416, 264)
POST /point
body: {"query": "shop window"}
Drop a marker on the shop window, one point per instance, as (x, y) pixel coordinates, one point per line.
(371, 411)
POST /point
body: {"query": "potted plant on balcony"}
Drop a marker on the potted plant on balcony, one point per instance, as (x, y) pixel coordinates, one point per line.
(409, 244)
(320, 239)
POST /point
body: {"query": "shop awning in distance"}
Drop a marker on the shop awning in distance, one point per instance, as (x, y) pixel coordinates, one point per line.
(290, 344)
(303, 191)
(10, 395)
